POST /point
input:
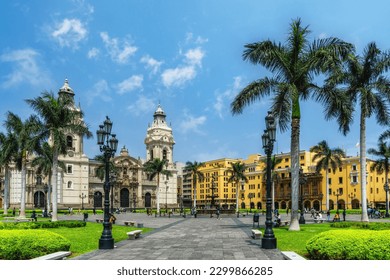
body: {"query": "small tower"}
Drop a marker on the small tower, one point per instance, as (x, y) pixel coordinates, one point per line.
(159, 138)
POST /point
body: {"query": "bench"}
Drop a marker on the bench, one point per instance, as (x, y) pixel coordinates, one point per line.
(256, 234)
(285, 223)
(24, 219)
(99, 220)
(134, 234)
(319, 221)
(129, 223)
(60, 255)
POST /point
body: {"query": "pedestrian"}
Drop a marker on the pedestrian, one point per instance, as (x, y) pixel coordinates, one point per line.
(287, 211)
(34, 215)
(218, 213)
(344, 214)
(328, 215)
(14, 211)
(94, 210)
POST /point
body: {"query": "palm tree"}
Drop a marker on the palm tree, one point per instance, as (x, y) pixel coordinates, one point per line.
(193, 169)
(7, 152)
(59, 117)
(237, 174)
(365, 87)
(154, 168)
(327, 158)
(274, 175)
(26, 137)
(382, 164)
(295, 66)
(44, 163)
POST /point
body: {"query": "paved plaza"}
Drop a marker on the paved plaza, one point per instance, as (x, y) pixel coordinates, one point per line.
(178, 238)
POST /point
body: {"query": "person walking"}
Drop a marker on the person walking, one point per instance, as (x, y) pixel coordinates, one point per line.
(328, 215)
(344, 214)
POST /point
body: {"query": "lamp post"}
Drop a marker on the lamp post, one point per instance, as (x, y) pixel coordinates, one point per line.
(268, 139)
(166, 197)
(250, 196)
(82, 196)
(386, 187)
(337, 194)
(321, 196)
(108, 145)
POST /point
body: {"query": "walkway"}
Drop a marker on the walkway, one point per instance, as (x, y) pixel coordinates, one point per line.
(178, 238)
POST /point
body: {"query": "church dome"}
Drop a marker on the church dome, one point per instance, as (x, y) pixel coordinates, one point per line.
(66, 88)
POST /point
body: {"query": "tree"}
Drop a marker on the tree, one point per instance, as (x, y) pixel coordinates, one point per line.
(8, 149)
(327, 158)
(382, 164)
(26, 140)
(59, 117)
(193, 169)
(295, 66)
(44, 163)
(364, 86)
(155, 168)
(237, 174)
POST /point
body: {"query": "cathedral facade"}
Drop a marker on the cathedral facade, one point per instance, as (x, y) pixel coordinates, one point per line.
(80, 186)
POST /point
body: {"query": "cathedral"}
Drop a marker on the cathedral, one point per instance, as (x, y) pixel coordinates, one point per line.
(79, 185)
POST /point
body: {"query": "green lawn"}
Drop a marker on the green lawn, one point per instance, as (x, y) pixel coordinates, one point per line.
(86, 239)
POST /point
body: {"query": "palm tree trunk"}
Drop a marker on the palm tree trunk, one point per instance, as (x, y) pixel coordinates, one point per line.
(194, 182)
(6, 189)
(22, 212)
(327, 190)
(237, 197)
(49, 195)
(54, 216)
(295, 130)
(158, 193)
(363, 167)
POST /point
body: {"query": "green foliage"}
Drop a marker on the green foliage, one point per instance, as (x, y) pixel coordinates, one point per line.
(350, 244)
(41, 225)
(361, 225)
(28, 244)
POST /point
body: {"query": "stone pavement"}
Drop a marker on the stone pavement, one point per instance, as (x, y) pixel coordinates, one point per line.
(178, 238)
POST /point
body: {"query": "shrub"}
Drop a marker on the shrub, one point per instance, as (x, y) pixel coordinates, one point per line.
(372, 225)
(28, 244)
(350, 245)
(38, 225)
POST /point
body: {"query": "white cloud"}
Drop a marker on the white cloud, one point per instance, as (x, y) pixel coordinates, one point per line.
(190, 123)
(227, 96)
(99, 90)
(93, 53)
(119, 51)
(143, 105)
(69, 33)
(25, 69)
(195, 56)
(130, 84)
(178, 76)
(151, 63)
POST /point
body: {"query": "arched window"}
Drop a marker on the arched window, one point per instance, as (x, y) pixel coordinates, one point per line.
(69, 141)
(165, 154)
(70, 184)
(151, 154)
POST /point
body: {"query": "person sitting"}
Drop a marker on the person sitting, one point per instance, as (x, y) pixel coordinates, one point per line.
(277, 221)
(336, 217)
(34, 215)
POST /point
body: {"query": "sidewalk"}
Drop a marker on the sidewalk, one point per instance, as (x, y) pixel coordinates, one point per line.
(178, 238)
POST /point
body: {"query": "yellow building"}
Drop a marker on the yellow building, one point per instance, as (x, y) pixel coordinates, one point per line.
(344, 184)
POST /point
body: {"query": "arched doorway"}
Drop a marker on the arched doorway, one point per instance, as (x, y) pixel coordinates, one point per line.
(355, 204)
(316, 205)
(242, 205)
(97, 200)
(283, 205)
(276, 205)
(307, 205)
(124, 198)
(259, 206)
(39, 199)
(148, 200)
(331, 204)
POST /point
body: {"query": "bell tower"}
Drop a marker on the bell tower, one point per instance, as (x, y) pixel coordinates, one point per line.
(159, 138)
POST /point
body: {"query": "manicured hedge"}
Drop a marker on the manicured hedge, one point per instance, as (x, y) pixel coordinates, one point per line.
(28, 244)
(38, 225)
(350, 245)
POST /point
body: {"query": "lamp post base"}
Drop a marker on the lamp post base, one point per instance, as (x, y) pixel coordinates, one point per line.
(302, 220)
(106, 243)
(268, 243)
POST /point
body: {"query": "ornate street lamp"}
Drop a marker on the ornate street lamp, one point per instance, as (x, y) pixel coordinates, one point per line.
(82, 196)
(386, 187)
(108, 145)
(337, 194)
(268, 139)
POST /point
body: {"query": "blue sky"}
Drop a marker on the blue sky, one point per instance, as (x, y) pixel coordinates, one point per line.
(124, 57)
